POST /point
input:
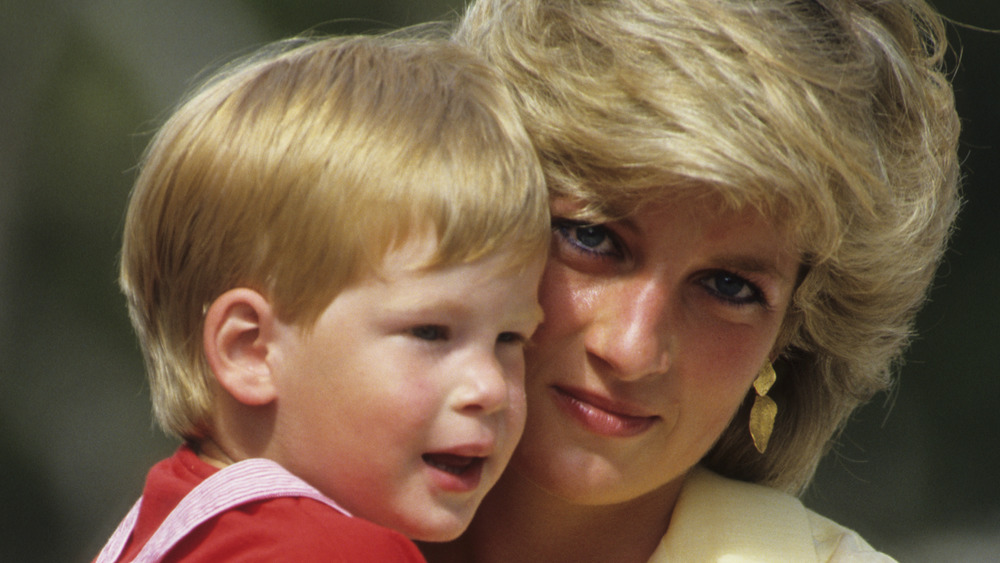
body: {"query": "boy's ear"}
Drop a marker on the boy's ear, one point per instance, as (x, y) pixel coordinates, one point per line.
(239, 329)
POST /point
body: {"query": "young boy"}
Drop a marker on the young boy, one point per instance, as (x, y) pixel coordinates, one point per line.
(331, 258)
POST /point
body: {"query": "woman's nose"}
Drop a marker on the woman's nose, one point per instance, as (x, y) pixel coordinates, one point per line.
(629, 331)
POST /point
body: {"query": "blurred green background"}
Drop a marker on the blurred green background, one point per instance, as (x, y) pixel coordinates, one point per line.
(83, 84)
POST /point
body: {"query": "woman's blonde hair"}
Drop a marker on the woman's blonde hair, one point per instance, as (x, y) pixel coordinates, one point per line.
(831, 116)
(293, 173)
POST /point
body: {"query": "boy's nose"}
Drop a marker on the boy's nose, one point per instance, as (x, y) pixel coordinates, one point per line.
(484, 387)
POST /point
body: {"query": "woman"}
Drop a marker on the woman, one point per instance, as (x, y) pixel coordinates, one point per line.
(735, 185)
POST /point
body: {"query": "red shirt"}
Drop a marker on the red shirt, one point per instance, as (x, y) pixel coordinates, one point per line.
(295, 529)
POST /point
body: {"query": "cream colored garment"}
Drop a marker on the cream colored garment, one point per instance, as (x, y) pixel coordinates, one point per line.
(726, 521)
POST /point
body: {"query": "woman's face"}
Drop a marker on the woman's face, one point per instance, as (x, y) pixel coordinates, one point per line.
(655, 327)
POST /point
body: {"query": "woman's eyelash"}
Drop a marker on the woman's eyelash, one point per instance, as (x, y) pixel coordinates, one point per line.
(733, 288)
(598, 241)
(587, 237)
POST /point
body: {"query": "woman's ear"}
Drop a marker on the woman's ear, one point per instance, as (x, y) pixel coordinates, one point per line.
(239, 330)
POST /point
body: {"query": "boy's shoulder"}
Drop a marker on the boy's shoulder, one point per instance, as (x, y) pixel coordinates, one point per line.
(292, 529)
(282, 528)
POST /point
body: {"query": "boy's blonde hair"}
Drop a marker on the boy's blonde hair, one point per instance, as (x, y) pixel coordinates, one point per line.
(833, 117)
(294, 172)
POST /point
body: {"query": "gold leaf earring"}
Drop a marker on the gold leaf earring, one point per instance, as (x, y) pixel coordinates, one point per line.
(764, 408)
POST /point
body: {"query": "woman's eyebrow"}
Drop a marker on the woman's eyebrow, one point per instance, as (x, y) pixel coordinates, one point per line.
(755, 264)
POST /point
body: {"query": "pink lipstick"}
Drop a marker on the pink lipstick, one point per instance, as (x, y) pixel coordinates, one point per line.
(601, 415)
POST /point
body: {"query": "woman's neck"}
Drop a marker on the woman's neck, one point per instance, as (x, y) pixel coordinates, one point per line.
(520, 522)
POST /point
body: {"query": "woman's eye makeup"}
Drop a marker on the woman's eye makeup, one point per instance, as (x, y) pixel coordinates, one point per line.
(732, 288)
(600, 242)
(586, 237)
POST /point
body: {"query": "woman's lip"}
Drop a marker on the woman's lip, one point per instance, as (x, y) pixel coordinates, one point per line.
(602, 415)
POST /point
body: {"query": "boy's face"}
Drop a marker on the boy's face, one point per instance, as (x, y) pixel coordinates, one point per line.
(406, 399)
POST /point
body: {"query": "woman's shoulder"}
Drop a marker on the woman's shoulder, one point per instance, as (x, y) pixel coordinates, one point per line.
(837, 543)
(717, 518)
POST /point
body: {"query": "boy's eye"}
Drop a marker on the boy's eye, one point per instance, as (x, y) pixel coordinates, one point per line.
(510, 338)
(430, 332)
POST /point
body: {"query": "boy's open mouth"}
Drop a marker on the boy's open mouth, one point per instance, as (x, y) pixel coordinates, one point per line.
(453, 464)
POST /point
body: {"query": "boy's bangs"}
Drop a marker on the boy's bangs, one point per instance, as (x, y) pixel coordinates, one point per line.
(405, 157)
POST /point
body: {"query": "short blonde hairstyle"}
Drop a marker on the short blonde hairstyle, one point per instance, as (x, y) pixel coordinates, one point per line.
(833, 117)
(295, 171)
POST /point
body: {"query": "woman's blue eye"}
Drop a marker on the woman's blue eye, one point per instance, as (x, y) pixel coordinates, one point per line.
(732, 288)
(729, 285)
(591, 236)
(596, 239)
(430, 332)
